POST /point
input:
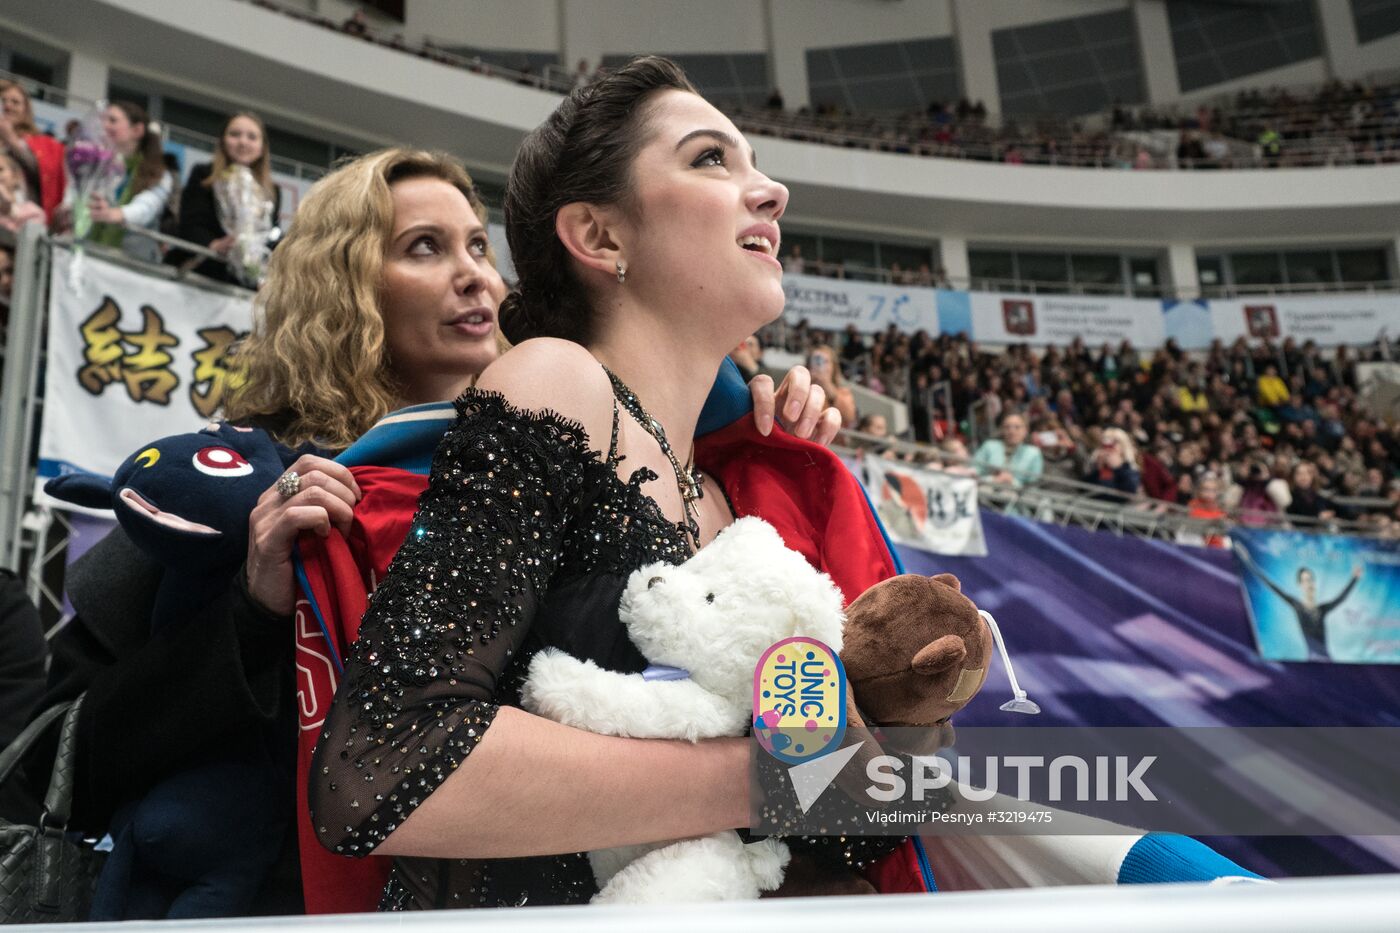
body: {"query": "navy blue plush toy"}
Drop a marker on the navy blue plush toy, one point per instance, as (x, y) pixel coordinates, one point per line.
(200, 843)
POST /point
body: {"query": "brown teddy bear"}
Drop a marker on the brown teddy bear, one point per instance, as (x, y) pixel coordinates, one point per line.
(915, 650)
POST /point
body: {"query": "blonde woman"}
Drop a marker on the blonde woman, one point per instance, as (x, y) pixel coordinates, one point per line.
(389, 264)
(1113, 464)
(384, 294)
(243, 141)
(826, 372)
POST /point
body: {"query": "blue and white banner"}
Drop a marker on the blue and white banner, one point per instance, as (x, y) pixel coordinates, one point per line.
(1321, 597)
(1059, 319)
(131, 358)
(1325, 319)
(1046, 320)
(832, 304)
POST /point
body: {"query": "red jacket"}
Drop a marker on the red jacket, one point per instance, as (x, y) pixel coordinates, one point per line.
(800, 488)
(48, 153)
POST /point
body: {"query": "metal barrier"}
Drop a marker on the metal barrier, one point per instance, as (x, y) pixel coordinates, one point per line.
(1064, 501)
(19, 401)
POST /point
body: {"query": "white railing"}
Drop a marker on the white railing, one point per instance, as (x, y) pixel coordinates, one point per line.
(1295, 906)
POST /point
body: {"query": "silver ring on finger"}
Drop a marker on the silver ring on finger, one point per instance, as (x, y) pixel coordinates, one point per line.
(289, 484)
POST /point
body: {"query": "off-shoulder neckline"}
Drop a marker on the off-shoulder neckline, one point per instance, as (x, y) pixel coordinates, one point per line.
(577, 435)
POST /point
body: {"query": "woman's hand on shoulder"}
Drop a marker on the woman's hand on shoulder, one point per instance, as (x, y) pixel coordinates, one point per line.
(798, 404)
(325, 498)
(549, 374)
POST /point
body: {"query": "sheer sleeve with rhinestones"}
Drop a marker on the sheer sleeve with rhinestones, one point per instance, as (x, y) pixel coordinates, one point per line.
(421, 685)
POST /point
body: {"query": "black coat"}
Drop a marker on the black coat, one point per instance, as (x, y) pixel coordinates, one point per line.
(199, 223)
(156, 704)
(23, 652)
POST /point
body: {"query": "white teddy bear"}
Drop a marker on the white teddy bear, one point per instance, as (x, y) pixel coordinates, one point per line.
(712, 617)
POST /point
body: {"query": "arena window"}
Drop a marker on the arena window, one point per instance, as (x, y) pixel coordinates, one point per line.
(729, 79)
(1306, 270)
(1068, 66)
(912, 74)
(1215, 42)
(1080, 272)
(1375, 19)
(899, 263)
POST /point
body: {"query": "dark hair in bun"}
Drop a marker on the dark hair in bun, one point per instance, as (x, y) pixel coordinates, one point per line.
(583, 152)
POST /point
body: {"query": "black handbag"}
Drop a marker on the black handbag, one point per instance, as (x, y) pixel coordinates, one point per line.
(45, 876)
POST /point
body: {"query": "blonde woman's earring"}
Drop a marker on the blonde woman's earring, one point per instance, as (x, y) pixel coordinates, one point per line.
(621, 272)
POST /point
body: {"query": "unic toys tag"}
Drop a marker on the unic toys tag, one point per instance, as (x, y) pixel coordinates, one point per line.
(799, 700)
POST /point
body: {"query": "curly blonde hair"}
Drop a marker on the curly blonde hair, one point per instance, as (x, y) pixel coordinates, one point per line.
(315, 367)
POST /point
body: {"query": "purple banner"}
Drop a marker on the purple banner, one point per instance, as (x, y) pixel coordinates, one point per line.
(1109, 630)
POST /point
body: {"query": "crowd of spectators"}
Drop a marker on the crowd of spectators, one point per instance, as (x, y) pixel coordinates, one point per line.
(1254, 432)
(958, 130)
(36, 188)
(36, 184)
(1338, 124)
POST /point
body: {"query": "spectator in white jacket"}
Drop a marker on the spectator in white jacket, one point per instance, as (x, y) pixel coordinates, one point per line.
(140, 198)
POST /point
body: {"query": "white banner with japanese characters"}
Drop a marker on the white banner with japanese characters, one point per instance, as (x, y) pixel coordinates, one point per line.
(132, 358)
(926, 509)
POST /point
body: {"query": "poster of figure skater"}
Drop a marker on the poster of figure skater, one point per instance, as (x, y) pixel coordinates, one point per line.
(1321, 597)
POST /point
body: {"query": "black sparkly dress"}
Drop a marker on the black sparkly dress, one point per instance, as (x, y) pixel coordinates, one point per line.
(524, 538)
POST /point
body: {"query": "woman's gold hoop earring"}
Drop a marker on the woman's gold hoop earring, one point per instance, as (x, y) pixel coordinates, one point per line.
(621, 272)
